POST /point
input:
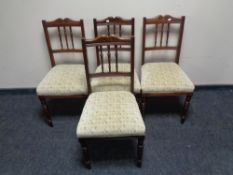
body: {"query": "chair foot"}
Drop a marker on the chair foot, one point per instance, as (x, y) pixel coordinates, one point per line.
(88, 165)
(182, 121)
(140, 151)
(46, 111)
(50, 123)
(139, 164)
(86, 154)
(185, 108)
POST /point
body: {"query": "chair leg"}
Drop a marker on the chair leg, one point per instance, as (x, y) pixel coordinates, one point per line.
(86, 153)
(143, 105)
(139, 101)
(185, 108)
(140, 151)
(46, 111)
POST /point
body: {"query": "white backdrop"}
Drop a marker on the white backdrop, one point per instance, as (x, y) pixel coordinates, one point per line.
(207, 51)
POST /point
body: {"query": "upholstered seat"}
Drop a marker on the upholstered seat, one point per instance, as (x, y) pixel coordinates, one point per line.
(110, 114)
(115, 83)
(64, 80)
(165, 78)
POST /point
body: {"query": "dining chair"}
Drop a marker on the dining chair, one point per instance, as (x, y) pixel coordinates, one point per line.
(121, 27)
(66, 79)
(110, 115)
(162, 38)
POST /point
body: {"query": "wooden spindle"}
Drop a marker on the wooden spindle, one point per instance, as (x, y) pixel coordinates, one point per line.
(116, 56)
(59, 33)
(114, 29)
(96, 34)
(101, 58)
(156, 33)
(71, 36)
(143, 40)
(109, 58)
(65, 33)
(108, 27)
(168, 31)
(120, 34)
(161, 37)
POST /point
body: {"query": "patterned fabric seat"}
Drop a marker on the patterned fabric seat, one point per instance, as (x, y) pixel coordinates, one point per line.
(110, 114)
(165, 78)
(64, 80)
(115, 83)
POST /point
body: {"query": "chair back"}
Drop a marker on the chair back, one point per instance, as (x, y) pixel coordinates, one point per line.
(109, 48)
(162, 29)
(68, 33)
(113, 26)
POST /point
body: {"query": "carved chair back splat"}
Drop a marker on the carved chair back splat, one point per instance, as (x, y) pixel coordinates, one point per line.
(68, 34)
(65, 34)
(113, 26)
(107, 45)
(162, 32)
(162, 29)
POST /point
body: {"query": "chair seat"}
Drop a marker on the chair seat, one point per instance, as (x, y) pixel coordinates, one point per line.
(115, 83)
(165, 78)
(64, 80)
(110, 114)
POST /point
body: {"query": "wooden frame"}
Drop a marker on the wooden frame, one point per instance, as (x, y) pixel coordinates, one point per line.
(111, 24)
(65, 47)
(109, 43)
(162, 21)
(117, 42)
(87, 153)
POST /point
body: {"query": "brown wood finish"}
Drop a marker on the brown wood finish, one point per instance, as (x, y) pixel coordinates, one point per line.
(87, 152)
(186, 107)
(140, 147)
(86, 149)
(163, 21)
(64, 23)
(105, 41)
(112, 23)
(68, 25)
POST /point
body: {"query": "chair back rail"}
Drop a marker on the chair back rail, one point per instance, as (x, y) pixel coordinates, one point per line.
(106, 45)
(162, 31)
(65, 34)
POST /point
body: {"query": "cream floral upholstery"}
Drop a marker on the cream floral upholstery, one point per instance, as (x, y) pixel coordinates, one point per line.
(115, 83)
(64, 80)
(110, 114)
(164, 78)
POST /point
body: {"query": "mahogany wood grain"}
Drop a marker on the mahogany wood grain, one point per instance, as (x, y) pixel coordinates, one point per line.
(162, 21)
(107, 42)
(112, 24)
(64, 46)
(165, 23)
(67, 25)
(86, 149)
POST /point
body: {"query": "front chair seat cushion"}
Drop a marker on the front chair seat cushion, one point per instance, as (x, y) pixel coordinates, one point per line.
(64, 80)
(110, 114)
(165, 78)
(115, 83)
